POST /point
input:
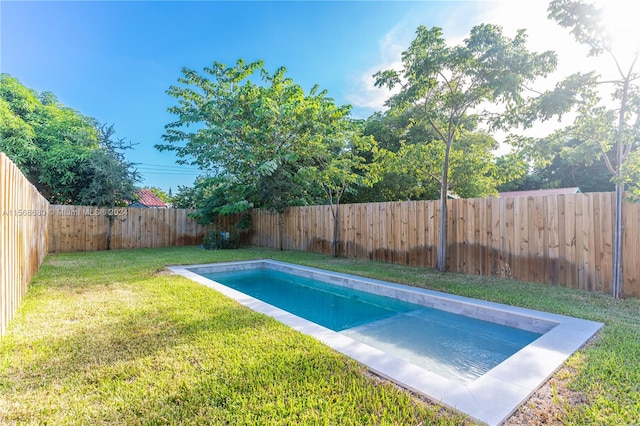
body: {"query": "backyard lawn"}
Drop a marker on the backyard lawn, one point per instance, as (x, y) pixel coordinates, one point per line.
(111, 337)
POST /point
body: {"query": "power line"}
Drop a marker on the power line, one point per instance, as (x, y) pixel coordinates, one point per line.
(162, 167)
(170, 170)
(168, 174)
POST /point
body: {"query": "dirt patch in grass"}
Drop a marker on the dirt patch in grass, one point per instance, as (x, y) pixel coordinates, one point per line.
(549, 404)
(554, 400)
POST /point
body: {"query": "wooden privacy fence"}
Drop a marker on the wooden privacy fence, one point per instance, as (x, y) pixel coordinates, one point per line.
(84, 228)
(23, 236)
(563, 240)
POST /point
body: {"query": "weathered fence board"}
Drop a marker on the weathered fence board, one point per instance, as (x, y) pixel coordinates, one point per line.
(23, 236)
(85, 228)
(561, 240)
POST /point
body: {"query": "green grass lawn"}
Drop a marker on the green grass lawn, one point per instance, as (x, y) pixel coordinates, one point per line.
(111, 338)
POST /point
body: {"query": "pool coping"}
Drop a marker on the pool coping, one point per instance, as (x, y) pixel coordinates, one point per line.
(491, 398)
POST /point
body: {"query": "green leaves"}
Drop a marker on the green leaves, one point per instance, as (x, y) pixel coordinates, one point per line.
(631, 174)
(62, 152)
(443, 93)
(584, 21)
(110, 178)
(257, 132)
(17, 137)
(603, 129)
(450, 82)
(448, 86)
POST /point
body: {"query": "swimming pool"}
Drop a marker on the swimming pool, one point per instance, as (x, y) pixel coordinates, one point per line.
(454, 346)
(392, 337)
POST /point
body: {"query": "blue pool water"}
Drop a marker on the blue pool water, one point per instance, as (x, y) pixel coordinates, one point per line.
(454, 346)
(331, 306)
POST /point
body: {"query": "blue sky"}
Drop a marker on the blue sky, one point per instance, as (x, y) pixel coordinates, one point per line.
(114, 60)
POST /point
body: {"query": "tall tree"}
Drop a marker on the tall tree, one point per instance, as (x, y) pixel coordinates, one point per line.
(69, 157)
(252, 138)
(111, 178)
(244, 131)
(339, 168)
(448, 85)
(610, 130)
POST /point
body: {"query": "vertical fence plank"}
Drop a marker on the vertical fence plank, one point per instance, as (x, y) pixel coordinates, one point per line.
(581, 256)
(454, 242)
(536, 238)
(596, 215)
(484, 220)
(393, 232)
(525, 226)
(403, 249)
(412, 233)
(465, 232)
(562, 267)
(24, 218)
(553, 237)
(369, 210)
(420, 244)
(381, 244)
(496, 234)
(508, 229)
(631, 249)
(606, 234)
(482, 236)
(589, 242)
(570, 242)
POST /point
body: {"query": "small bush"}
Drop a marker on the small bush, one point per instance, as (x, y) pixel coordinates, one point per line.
(221, 240)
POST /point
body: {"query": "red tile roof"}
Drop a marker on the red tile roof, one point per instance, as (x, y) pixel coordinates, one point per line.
(556, 191)
(149, 199)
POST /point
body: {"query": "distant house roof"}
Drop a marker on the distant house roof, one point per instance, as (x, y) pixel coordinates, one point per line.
(148, 199)
(556, 191)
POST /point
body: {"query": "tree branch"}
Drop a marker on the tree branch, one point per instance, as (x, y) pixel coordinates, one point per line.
(605, 157)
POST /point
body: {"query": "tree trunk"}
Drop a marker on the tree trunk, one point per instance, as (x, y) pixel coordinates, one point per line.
(442, 232)
(280, 227)
(617, 242)
(336, 231)
(110, 218)
(109, 228)
(617, 281)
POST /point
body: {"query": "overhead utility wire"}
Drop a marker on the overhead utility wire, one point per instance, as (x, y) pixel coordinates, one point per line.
(162, 166)
(159, 169)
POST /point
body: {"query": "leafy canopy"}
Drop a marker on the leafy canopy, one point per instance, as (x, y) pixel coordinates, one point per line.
(65, 154)
(451, 89)
(607, 123)
(409, 158)
(254, 134)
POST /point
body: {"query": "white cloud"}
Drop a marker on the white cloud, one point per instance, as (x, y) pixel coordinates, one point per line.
(363, 93)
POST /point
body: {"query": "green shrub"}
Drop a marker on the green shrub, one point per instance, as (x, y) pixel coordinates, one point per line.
(221, 240)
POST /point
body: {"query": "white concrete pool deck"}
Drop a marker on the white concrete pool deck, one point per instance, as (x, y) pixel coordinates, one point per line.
(491, 398)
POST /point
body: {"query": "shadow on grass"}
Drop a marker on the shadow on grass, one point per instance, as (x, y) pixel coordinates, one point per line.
(216, 364)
